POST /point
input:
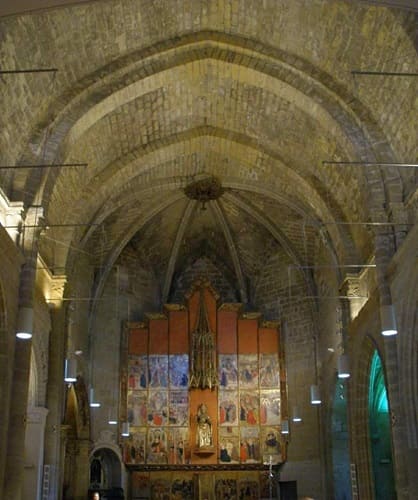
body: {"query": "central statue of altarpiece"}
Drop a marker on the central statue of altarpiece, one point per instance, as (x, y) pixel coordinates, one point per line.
(203, 387)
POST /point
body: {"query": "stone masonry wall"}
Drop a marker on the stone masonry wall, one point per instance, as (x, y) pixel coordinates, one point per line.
(9, 286)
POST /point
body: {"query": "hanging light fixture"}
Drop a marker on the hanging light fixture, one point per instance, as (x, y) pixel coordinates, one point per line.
(112, 417)
(125, 429)
(388, 320)
(93, 403)
(285, 427)
(343, 366)
(296, 414)
(24, 323)
(70, 374)
(315, 397)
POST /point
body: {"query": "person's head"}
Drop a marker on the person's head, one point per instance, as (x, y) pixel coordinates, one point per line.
(96, 495)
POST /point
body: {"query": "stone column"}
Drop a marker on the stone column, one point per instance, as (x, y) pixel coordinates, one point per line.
(17, 422)
(18, 407)
(55, 401)
(384, 246)
(82, 469)
(34, 452)
(67, 459)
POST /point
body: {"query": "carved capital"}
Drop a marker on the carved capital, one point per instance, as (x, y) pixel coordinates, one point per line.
(37, 415)
(11, 215)
(52, 285)
(351, 287)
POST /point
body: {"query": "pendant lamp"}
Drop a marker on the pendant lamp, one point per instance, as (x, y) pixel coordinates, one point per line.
(24, 323)
(112, 417)
(343, 366)
(93, 403)
(285, 427)
(70, 374)
(388, 320)
(296, 414)
(315, 397)
(125, 429)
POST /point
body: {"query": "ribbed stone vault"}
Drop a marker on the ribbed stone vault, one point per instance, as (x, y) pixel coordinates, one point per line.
(257, 94)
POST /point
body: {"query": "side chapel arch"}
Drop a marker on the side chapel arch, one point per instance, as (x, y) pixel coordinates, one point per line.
(106, 470)
(380, 429)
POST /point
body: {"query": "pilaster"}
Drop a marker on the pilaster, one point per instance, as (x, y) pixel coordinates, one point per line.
(20, 383)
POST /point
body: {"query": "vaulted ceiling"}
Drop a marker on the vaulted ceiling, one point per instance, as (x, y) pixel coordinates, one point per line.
(251, 97)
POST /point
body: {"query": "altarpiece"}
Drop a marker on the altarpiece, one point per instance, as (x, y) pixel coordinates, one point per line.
(197, 357)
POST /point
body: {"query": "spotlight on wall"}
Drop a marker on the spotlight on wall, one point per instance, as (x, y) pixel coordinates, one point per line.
(24, 323)
(70, 374)
(93, 403)
(296, 414)
(125, 429)
(343, 366)
(388, 320)
(285, 427)
(315, 397)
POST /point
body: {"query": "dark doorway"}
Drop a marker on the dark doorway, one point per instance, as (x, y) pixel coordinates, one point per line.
(288, 490)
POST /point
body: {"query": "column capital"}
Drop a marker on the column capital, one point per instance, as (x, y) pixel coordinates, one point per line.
(351, 287)
(37, 415)
(11, 215)
(52, 285)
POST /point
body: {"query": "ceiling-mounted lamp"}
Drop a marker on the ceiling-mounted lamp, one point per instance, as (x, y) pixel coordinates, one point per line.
(93, 403)
(296, 415)
(24, 323)
(285, 427)
(343, 366)
(125, 429)
(315, 396)
(70, 374)
(388, 320)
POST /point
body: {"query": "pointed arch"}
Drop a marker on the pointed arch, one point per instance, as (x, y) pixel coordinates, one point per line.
(380, 431)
